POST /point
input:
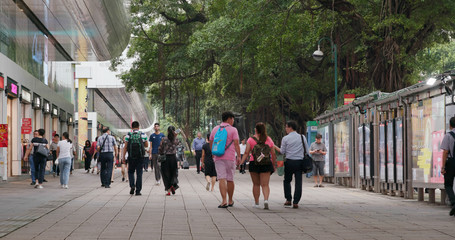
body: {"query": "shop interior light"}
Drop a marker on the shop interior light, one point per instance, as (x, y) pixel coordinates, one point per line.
(431, 81)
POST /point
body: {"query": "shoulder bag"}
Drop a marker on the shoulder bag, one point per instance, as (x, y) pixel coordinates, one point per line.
(307, 160)
(42, 150)
(162, 157)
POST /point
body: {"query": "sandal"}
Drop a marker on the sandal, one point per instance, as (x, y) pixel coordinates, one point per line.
(231, 204)
(223, 206)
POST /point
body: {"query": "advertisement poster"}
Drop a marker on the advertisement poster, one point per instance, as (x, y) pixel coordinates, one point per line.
(341, 148)
(324, 131)
(390, 153)
(399, 149)
(427, 118)
(3, 135)
(361, 152)
(367, 152)
(436, 176)
(382, 152)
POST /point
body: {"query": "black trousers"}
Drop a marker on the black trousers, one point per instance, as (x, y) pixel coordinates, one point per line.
(293, 167)
(40, 166)
(135, 165)
(198, 160)
(107, 162)
(145, 162)
(449, 176)
(169, 172)
(88, 159)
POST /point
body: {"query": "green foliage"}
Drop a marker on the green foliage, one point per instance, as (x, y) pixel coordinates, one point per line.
(198, 58)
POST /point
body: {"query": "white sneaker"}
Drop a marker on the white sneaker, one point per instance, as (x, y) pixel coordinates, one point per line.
(40, 187)
(266, 204)
(36, 185)
(65, 186)
(157, 183)
(256, 206)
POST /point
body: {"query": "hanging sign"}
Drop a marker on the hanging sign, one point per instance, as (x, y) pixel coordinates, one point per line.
(348, 98)
(26, 126)
(3, 135)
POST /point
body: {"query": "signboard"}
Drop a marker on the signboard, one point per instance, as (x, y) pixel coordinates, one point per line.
(390, 153)
(382, 152)
(342, 148)
(26, 95)
(54, 111)
(428, 121)
(3, 135)
(46, 107)
(2, 81)
(26, 127)
(361, 142)
(399, 150)
(348, 98)
(36, 101)
(12, 87)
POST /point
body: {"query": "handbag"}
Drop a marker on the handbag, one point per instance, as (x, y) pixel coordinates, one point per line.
(93, 163)
(42, 150)
(307, 160)
(161, 158)
(50, 157)
(56, 162)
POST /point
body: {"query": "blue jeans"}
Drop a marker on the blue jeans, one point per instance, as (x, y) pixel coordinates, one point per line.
(64, 164)
(107, 162)
(40, 166)
(135, 165)
(293, 167)
(32, 168)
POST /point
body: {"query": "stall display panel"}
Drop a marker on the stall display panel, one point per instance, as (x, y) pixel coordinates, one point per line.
(328, 166)
(427, 118)
(342, 149)
(382, 152)
(361, 142)
(369, 143)
(390, 152)
(399, 150)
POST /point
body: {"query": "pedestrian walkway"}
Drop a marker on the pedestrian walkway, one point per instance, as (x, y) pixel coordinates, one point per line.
(87, 211)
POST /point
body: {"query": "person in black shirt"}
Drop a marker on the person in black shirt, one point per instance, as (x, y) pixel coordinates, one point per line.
(208, 164)
(38, 159)
(87, 156)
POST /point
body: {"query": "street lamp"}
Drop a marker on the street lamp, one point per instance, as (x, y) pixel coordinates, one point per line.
(318, 55)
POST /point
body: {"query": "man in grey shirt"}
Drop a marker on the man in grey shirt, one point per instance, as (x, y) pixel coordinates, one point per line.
(292, 147)
(318, 152)
(448, 164)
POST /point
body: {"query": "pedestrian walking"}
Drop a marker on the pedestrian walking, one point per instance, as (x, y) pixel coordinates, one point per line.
(155, 141)
(168, 147)
(106, 146)
(124, 160)
(292, 147)
(30, 159)
(39, 159)
(318, 152)
(53, 150)
(224, 143)
(208, 165)
(86, 155)
(261, 155)
(135, 144)
(197, 148)
(448, 163)
(64, 151)
(94, 153)
(242, 152)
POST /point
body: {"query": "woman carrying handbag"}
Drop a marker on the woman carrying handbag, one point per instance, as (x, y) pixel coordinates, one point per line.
(41, 152)
(168, 147)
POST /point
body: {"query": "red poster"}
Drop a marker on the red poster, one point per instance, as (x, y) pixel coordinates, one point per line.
(3, 135)
(2, 82)
(436, 176)
(26, 126)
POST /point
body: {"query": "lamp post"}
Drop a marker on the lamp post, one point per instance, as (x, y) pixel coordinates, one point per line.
(318, 55)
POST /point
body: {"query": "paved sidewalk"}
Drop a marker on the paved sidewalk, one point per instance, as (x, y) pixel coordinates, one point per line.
(87, 211)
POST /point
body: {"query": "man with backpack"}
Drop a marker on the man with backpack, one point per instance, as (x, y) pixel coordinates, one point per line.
(135, 144)
(448, 163)
(224, 142)
(107, 148)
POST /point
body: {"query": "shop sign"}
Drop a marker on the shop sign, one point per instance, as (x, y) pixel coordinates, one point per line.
(36, 101)
(47, 107)
(26, 95)
(348, 98)
(2, 81)
(54, 111)
(3, 135)
(26, 126)
(70, 119)
(12, 87)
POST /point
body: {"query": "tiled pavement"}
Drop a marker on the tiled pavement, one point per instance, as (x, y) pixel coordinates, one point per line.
(87, 211)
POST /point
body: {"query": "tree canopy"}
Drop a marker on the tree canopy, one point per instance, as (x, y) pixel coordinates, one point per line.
(198, 58)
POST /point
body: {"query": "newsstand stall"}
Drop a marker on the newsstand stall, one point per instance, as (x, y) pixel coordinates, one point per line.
(339, 127)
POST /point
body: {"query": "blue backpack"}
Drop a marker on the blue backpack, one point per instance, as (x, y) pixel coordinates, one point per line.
(219, 142)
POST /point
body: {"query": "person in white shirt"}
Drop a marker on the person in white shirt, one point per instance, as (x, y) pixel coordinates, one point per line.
(242, 151)
(64, 150)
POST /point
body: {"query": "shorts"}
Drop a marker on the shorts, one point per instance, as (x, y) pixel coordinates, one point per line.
(225, 169)
(318, 168)
(253, 167)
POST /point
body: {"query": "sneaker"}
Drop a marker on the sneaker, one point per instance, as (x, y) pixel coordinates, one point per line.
(266, 204)
(207, 187)
(157, 183)
(33, 183)
(36, 185)
(138, 194)
(452, 211)
(62, 186)
(256, 206)
(40, 187)
(53, 174)
(132, 191)
(65, 186)
(295, 205)
(316, 185)
(320, 185)
(123, 179)
(287, 204)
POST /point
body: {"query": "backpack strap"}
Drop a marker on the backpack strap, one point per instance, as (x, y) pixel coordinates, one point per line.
(303, 144)
(453, 135)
